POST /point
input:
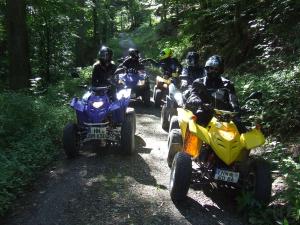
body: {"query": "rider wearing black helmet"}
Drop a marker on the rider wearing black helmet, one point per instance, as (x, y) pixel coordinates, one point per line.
(193, 70)
(213, 90)
(132, 61)
(104, 68)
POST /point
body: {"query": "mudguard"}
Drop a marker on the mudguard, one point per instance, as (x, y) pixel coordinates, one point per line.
(77, 104)
(199, 131)
(252, 138)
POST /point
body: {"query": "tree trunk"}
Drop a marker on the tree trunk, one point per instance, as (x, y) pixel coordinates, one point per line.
(80, 45)
(96, 22)
(18, 47)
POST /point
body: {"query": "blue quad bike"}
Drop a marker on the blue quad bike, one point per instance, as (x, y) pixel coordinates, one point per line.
(101, 120)
(138, 82)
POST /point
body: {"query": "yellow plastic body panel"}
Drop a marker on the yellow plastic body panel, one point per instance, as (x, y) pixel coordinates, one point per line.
(253, 138)
(184, 116)
(163, 80)
(225, 140)
(223, 137)
(192, 144)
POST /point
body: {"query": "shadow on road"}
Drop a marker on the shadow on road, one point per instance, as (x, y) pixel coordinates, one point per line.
(198, 214)
(223, 196)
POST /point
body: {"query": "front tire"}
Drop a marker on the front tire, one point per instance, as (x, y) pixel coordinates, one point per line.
(130, 113)
(175, 145)
(180, 177)
(174, 124)
(127, 134)
(71, 140)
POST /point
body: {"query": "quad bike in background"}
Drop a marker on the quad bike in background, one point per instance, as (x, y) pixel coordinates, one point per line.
(218, 153)
(138, 82)
(160, 90)
(173, 100)
(102, 120)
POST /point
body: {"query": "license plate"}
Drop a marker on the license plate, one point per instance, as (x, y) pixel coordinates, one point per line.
(227, 176)
(133, 95)
(97, 133)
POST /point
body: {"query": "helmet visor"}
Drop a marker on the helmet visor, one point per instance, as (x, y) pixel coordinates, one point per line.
(104, 55)
(212, 69)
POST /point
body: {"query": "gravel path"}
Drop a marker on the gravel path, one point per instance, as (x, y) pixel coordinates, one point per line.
(111, 189)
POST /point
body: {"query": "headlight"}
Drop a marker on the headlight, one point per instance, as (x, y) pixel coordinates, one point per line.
(97, 105)
(141, 83)
(124, 93)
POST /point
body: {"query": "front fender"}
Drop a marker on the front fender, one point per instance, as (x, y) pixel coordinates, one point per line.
(77, 104)
(199, 131)
(185, 119)
(252, 138)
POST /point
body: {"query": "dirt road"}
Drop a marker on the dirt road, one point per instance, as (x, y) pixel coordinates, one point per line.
(108, 188)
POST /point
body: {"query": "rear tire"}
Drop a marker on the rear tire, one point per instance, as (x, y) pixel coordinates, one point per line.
(174, 145)
(180, 177)
(174, 124)
(157, 97)
(164, 118)
(71, 140)
(127, 134)
(259, 180)
(146, 97)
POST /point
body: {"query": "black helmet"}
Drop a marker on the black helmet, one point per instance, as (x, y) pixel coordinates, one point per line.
(214, 66)
(192, 58)
(134, 53)
(105, 54)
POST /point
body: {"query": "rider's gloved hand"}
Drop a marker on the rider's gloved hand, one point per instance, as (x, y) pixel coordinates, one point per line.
(184, 84)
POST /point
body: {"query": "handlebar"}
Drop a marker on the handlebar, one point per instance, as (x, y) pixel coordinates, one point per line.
(101, 88)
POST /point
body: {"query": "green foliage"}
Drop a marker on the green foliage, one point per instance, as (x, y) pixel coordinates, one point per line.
(30, 135)
(285, 207)
(281, 95)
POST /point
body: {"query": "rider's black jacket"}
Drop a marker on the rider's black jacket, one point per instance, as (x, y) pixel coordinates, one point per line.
(102, 73)
(216, 92)
(191, 73)
(131, 63)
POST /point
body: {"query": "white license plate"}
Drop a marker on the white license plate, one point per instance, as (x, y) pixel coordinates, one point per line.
(227, 176)
(97, 133)
(133, 95)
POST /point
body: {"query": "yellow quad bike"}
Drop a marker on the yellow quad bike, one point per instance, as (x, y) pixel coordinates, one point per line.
(161, 88)
(219, 154)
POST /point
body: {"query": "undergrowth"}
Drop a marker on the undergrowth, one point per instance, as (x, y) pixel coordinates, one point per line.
(30, 133)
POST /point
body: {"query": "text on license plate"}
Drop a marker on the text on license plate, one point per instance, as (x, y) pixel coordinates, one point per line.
(227, 176)
(97, 132)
